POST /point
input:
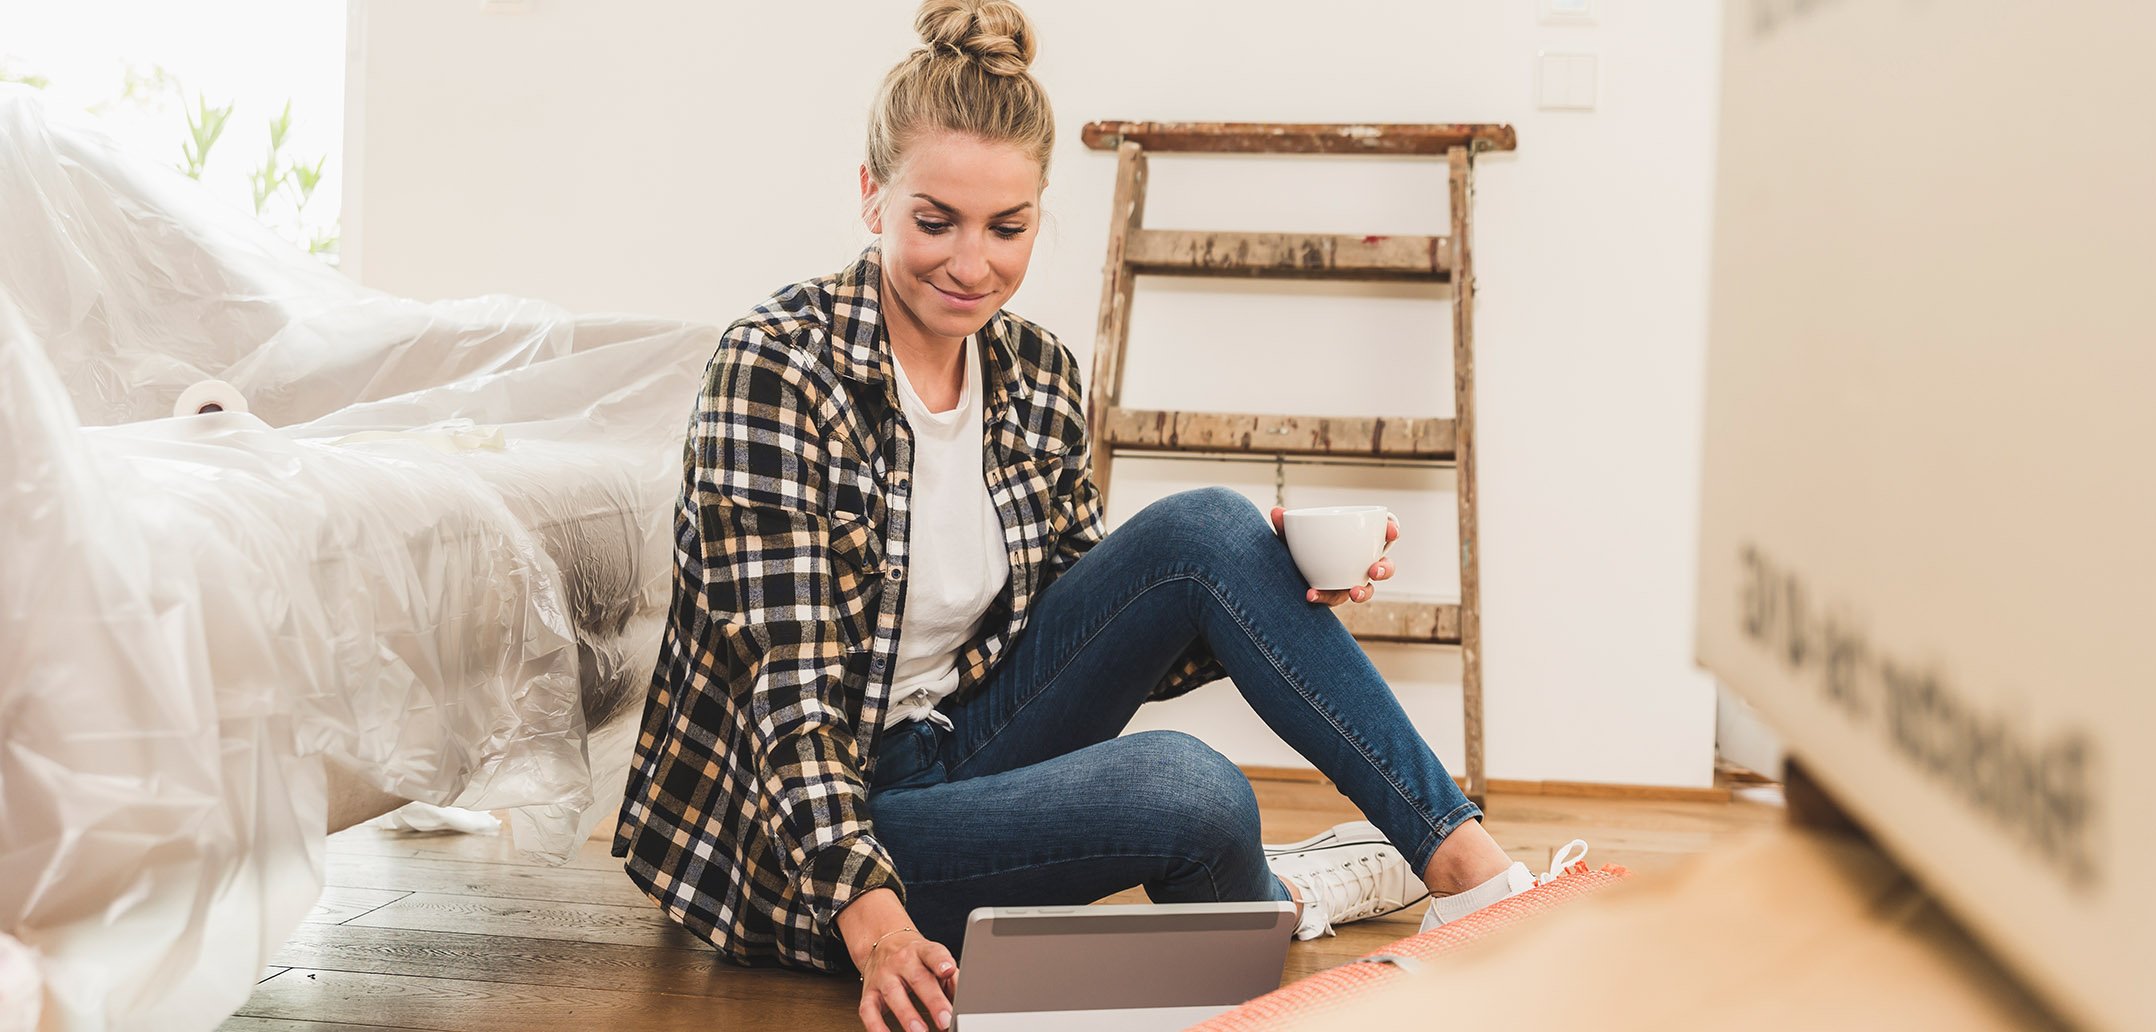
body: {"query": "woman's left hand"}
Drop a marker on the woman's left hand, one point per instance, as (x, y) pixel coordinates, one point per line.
(1380, 570)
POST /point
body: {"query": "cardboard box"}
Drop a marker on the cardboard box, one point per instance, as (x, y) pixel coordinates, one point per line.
(1793, 930)
(1929, 504)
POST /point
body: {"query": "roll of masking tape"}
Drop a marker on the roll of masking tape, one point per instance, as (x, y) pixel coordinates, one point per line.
(209, 396)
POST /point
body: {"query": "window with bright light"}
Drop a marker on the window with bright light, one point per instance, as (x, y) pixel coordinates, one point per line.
(246, 96)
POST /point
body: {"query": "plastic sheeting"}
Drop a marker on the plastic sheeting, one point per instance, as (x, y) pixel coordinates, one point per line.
(433, 553)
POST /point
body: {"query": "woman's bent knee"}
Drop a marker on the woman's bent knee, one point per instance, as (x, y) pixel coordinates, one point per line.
(1207, 524)
(1196, 789)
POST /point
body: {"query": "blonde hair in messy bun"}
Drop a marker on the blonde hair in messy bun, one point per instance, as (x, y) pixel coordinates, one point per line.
(969, 76)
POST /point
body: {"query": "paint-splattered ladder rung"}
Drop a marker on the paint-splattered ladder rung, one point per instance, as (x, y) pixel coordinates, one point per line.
(1427, 439)
(1402, 620)
(1300, 137)
(1178, 252)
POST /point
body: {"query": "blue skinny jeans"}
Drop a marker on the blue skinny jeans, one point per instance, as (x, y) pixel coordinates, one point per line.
(1032, 799)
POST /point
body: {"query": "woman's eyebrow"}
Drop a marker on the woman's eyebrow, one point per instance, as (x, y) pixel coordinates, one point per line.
(953, 212)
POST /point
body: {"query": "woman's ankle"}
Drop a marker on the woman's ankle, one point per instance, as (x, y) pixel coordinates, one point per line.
(1466, 858)
(1294, 894)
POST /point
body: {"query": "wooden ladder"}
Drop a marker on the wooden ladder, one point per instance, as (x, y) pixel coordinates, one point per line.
(1134, 249)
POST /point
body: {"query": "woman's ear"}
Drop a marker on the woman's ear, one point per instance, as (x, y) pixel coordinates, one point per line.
(871, 202)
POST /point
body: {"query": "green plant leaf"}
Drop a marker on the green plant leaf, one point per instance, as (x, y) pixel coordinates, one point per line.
(204, 125)
(265, 184)
(30, 79)
(305, 178)
(216, 117)
(279, 126)
(149, 88)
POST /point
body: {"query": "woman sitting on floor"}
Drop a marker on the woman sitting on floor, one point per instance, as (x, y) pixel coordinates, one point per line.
(901, 651)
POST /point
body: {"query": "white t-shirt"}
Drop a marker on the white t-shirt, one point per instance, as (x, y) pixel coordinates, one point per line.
(955, 556)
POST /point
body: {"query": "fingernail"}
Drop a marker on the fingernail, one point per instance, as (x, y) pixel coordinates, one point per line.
(944, 1019)
(946, 969)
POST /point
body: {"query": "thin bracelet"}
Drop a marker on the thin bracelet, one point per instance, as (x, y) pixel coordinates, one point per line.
(879, 939)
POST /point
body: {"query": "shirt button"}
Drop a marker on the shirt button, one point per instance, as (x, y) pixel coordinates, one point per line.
(903, 483)
(896, 571)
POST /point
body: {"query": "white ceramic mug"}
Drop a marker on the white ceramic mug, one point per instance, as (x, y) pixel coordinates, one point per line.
(1335, 545)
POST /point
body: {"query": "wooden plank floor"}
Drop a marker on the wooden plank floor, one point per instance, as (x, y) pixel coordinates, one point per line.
(457, 933)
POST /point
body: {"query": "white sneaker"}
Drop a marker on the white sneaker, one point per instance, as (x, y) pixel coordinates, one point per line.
(1352, 830)
(1352, 874)
(1513, 881)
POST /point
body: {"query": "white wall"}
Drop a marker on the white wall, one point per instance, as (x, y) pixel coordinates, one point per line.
(683, 158)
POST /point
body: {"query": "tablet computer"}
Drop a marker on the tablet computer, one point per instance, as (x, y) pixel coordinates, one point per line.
(1127, 967)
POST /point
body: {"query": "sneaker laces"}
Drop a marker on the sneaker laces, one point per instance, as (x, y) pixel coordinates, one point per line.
(1564, 859)
(1351, 891)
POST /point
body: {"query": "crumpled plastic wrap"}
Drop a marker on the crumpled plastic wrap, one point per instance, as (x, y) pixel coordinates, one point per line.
(21, 990)
(433, 554)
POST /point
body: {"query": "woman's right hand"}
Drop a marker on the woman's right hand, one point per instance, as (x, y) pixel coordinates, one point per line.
(906, 977)
(903, 974)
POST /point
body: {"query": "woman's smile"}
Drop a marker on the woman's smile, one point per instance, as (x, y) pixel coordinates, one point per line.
(959, 301)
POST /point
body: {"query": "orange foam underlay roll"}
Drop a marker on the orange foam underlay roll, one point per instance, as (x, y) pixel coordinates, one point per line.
(1330, 988)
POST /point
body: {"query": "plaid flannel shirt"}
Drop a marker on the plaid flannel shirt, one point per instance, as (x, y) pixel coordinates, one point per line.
(746, 815)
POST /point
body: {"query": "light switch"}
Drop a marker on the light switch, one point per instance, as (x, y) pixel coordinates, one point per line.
(1567, 82)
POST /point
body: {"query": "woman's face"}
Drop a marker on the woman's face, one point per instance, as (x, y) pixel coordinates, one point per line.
(957, 224)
